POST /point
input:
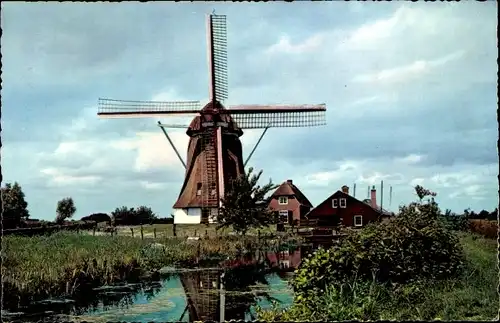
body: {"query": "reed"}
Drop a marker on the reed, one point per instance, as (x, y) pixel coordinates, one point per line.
(63, 264)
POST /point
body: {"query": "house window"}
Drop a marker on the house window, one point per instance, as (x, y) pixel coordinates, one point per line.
(284, 216)
(198, 189)
(283, 200)
(358, 220)
(335, 203)
(343, 203)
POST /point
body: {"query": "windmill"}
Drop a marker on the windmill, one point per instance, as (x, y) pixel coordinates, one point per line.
(214, 155)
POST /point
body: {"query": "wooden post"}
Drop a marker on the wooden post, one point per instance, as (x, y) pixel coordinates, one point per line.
(132, 230)
(198, 253)
(154, 233)
(93, 233)
(222, 300)
(195, 233)
(142, 233)
(174, 230)
(206, 233)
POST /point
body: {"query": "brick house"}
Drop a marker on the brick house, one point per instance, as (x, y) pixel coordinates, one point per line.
(289, 202)
(342, 208)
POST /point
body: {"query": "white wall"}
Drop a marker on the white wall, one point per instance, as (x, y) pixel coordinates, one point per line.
(187, 216)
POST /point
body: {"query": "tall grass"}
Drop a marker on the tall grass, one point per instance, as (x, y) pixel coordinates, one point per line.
(65, 263)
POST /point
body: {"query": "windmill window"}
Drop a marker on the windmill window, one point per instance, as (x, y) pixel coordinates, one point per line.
(283, 200)
(335, 203)
(284, 216)
(198, 189)
(213, 191)
(343, 203)
(358, 220)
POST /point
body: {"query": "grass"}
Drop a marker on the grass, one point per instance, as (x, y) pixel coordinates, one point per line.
(471, 296)
(64, 264)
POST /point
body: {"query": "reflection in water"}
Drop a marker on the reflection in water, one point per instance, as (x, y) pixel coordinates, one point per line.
(227, 290)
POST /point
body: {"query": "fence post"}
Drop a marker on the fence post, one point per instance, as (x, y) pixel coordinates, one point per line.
(195, 232)
(93, 233)
(174, 229)
(198, 253)
(132, 230)
(142, 233)
(154, 233)
(206, 233)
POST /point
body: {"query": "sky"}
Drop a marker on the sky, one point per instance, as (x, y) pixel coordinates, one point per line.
(410, 90)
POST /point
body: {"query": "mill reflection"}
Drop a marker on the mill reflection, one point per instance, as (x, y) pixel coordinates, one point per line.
(229, 291)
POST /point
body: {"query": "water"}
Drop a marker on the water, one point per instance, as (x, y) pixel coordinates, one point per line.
(181, 295)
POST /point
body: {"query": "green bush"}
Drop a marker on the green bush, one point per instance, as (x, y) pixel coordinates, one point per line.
(416, 245)
(468, 296)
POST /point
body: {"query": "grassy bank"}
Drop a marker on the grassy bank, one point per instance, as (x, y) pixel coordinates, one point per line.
(184, 230)
(64, 264)
(471, 296)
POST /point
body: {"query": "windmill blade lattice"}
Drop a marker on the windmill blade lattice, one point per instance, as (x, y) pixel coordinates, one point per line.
(109, 108)
(218, 46)
(278, 116)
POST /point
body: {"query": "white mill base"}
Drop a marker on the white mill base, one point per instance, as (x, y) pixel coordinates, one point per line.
(192, 216)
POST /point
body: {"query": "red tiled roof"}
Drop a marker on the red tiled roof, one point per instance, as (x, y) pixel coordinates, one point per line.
(289, 189)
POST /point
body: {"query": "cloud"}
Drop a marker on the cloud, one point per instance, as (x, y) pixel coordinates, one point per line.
(284, 45)
(153, 186)
(57, 178)
(411, 159)
(409, 72)
(408, 100)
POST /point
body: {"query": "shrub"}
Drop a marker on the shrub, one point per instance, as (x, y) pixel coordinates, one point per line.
(452, 221)
(97, 217)
(415, 245)
(486, 228)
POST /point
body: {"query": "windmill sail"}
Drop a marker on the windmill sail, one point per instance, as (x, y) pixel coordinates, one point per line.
(110, 108)
(217, 57)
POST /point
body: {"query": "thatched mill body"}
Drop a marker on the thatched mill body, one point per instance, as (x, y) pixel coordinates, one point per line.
(214, 155)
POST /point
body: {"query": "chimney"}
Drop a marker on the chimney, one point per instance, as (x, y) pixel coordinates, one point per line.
(345, 189)
(289, 181)
(374, 197)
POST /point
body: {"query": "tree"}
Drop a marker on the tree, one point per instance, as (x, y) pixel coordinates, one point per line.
(14, 205)
(132, 216)
(144, 214)
(122, 215)
(245, 204)
(65, 209)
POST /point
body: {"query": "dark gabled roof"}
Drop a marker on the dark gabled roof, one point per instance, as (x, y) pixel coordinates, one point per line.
(377, 208)
(289, 189)
(365, 201)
